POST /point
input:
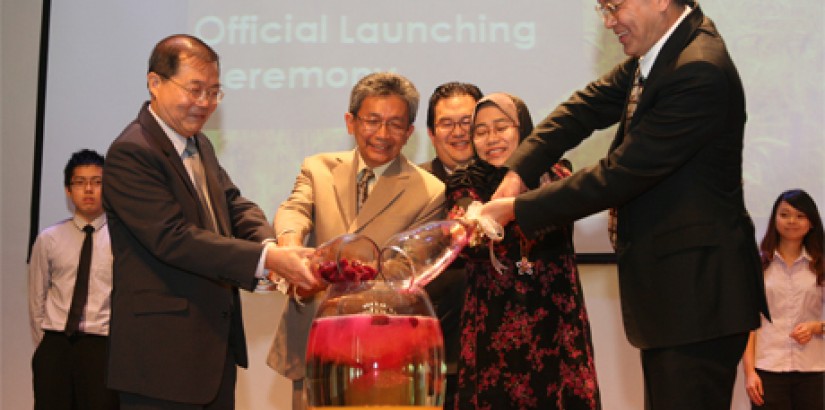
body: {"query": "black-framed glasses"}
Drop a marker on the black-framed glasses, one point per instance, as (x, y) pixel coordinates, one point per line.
(79, 182)
(608, 9)
(447, 125)
(483, 131)
(394, 126)
(213, 95)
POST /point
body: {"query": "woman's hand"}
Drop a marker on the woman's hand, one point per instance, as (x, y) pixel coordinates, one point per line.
(753, 386)
(510, 186)
(805, 331)
(500, 210)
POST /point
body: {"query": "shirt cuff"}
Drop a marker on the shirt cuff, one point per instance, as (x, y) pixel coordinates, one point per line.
(265, 284)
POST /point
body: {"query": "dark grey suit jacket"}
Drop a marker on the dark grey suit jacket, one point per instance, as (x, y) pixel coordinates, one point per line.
(175, 303)
(688, 264)
(435, 167)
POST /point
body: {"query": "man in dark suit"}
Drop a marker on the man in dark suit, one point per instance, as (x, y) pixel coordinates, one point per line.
(689, 273)
(449, 115)
(184, 241)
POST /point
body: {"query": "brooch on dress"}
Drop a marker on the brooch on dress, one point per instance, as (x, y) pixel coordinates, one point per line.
(525, 267)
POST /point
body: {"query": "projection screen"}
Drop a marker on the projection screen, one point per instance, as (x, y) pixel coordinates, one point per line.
(288, 67)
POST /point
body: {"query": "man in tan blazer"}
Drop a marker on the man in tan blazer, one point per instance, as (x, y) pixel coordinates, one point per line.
(323, 203)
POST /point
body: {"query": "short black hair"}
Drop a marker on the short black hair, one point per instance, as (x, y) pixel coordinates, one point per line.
(447, 90)
(80, 158)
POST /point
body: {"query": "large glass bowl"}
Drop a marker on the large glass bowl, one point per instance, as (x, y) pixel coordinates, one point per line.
(375, 345)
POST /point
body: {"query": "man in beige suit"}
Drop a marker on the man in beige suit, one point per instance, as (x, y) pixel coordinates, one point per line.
(323, 203)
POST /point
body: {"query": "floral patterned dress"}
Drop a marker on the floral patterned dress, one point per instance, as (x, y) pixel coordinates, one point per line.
(525, 338)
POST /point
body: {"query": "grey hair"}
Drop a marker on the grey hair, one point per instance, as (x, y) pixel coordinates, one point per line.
(384, 84)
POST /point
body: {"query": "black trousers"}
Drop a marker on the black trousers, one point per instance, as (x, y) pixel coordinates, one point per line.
(693, 376)
(69, 373)
(224, 399)
(792, 390)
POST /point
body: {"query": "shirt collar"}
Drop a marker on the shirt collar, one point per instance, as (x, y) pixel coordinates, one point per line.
(803, 256)
(377, 171)
(80, 222)
(647, 60)
(178, 141)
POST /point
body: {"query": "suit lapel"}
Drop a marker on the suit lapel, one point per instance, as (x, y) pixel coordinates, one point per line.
(387, 190)
(439, 170)
(674, 45)
(671, 50)
(216, 195)
(343, 182)
(159, 139)
(630, 67)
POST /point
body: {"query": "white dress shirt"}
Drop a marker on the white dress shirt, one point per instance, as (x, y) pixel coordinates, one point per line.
(53, 271)
(793, 298)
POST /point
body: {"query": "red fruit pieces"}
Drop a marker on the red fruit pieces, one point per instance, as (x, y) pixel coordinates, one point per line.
(328, 271)
(346, 271)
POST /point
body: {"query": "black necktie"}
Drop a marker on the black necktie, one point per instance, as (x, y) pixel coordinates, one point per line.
(199, 180)
(81, 285)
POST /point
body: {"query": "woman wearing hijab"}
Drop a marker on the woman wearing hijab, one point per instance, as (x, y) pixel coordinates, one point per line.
(525, 341)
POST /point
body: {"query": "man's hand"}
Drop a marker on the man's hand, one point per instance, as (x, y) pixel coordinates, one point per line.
(306, 293)
(510, 186)
(501, 210)
(290, 239)
(290, 263)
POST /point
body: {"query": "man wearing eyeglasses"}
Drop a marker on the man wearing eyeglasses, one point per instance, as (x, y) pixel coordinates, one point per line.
(449, 116)
(69, 305)
(184, 241)
(373, 190)
(689, 273)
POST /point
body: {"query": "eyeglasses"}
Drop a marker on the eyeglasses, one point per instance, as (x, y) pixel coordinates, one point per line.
(447, 125)
(94, 182)
(483, 131)
(608, 9)
(394, 126)
(197, 93)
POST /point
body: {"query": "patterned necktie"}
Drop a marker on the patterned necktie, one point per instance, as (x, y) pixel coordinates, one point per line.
(632, 101)
(363, 187)
(81, 284)
(199, 180)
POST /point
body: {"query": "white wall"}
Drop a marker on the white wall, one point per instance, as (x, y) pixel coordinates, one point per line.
(19, 36)
(617, 363)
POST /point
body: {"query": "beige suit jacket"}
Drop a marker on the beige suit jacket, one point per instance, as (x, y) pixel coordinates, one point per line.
(322, 206)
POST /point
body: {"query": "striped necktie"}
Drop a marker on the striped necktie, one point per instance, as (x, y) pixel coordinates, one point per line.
(364, 187)
(632, 102)
(199, 180)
